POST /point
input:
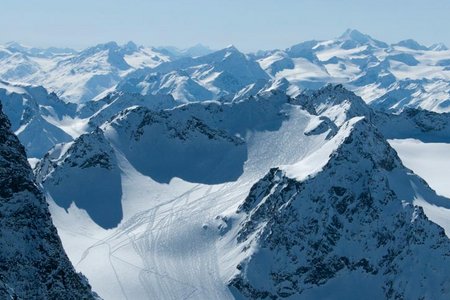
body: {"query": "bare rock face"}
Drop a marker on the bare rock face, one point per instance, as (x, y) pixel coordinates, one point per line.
(33, 264)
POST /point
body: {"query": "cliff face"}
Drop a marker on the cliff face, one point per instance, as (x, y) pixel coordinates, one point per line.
(33, 264)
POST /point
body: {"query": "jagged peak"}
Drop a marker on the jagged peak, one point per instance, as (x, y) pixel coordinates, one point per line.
(308, 225)
(90, 150)
(334, 101)
(366, 141)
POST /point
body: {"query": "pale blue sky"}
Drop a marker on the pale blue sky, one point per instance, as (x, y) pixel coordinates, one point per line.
(248, 24)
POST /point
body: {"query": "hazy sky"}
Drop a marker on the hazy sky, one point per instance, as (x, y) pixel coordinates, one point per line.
(248, 24)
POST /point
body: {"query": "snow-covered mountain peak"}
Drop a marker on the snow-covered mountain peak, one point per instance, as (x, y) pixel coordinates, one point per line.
(302, 50)
(321, 236)
(91, 160)
(218, 75)
(90, 150)
(353, 35)
(231, 47)
(111, 45)
(111, 52)
(194, 51)
(15, 46)
(136, 121)
(229, 52)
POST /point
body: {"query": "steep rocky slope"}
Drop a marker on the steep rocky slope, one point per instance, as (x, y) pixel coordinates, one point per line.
(33, 264)
(350, 228)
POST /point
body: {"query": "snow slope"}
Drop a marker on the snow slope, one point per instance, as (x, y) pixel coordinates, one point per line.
(182, 233)
(175, 212)
(429, 160)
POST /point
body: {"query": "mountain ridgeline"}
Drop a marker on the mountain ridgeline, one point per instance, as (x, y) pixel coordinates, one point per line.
(389, 77)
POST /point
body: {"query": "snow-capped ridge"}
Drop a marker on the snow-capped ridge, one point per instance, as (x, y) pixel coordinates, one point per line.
(334, 102)
(90, 159)
(193, 150)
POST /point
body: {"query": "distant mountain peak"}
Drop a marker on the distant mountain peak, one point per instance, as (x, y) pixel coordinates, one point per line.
(361, 38)
(231, 47)
(355, 35)
(16, 46)
(131, 46)
(411, 44)
(198, 50)
(438, 47)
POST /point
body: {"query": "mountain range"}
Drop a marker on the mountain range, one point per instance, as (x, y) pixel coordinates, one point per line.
(174, 174)
(265, 197)
(389, 77)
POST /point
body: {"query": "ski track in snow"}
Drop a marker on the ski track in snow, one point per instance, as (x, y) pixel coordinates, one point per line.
(166, 245)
